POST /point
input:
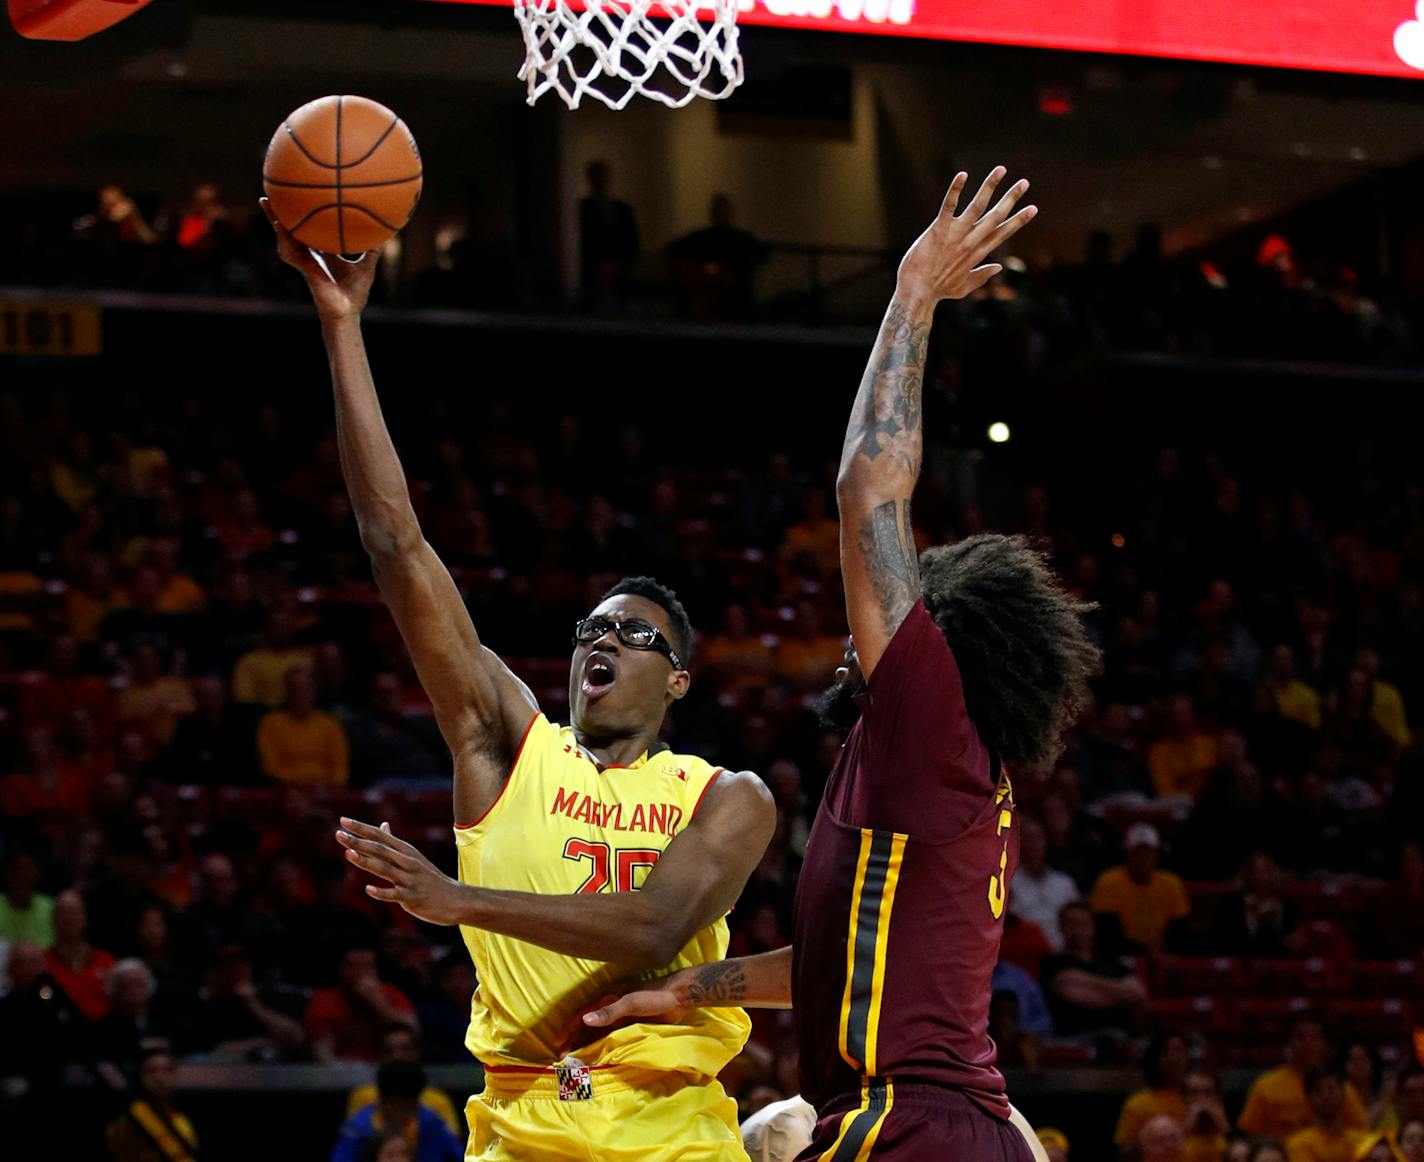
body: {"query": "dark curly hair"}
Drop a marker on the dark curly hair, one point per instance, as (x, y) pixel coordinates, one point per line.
(660, 595)
(1017, 634)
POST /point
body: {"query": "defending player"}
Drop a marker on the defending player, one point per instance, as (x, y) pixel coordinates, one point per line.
(587, 854)
(967, 657)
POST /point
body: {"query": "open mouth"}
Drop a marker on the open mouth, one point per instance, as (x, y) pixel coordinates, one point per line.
(599, 674)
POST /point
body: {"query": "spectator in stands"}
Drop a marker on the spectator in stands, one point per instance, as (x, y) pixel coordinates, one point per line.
(1268, 1150)
(1161, 1140)
(808, 651)
(62, 687)
(1109, 761)
(260, 674)
(1351, 725)
(1055, 1144)
(1165, 1065)
(715, 266)
(131, 1022)
(1205, 1122)
(153, 1129)
(816, 534)
(1365, 1074)
(244, 533)
(1411, 1141)
(299, 743)
(153, 701)
(1386, 703)
(222, 916)
(41, 1027)
(1328, 1138)
(214, 745)
(1256, 919)
(1039, 891)
(737, 657)
(1409, 1095)
(1181, 760)
(345, 1022)
(177, 592)
(388, 1146)
(26, 914)
(1145, 899)
(1089, 994)
(1277, 1106)
(1394, 927)
(389, 743)
(399, 1085)
(1016, 1046)
(444, 1007)
(235, 1019)
(399, 1042)
(78, 969)
(1079, 843)
(608, 241)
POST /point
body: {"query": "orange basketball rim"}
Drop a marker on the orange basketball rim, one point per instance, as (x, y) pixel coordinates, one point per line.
(69, 19)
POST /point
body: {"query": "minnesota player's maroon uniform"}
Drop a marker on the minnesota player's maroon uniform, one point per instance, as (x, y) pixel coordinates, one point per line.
(899, 913)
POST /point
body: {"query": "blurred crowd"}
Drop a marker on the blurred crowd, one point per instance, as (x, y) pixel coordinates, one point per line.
(197, 678)
(1278, 304)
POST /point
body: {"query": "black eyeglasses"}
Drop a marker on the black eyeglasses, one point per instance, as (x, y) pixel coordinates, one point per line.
(635, 633)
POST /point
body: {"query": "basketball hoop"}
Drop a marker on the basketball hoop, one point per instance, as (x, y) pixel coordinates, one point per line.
(69, 19)
(615, 49)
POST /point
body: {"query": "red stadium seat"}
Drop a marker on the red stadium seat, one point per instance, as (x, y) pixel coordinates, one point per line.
(1199, 1014)
(1311, 975)
(1386, 978)
(1176, 975)
(1380, 1020)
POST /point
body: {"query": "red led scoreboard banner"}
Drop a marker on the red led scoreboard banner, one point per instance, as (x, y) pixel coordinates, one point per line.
(1383, 37)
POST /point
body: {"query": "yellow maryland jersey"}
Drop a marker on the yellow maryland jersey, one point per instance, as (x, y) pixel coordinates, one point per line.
(563, 825)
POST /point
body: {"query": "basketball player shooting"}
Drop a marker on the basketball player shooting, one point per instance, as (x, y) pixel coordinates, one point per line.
(588, 854)
(966, 658)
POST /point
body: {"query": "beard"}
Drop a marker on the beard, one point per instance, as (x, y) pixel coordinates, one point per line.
(836, 708)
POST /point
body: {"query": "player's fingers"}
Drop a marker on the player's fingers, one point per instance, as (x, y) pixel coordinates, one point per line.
(951, 197)
(1003, 206)
(982, 274)
(1007, 230)
(976, 208)
(384, 853)
(389, 895)
(376, 866)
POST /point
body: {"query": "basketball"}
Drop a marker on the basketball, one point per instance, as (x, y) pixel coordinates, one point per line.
(343, 174)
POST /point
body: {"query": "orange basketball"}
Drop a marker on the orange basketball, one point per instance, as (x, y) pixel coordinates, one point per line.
(343, 174)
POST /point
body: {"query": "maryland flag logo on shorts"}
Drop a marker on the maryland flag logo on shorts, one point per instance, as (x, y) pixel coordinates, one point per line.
(575, 1080)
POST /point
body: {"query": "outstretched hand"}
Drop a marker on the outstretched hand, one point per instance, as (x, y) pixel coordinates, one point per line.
(339, 288)
(667, 997)
(416, 884)
(947, 260)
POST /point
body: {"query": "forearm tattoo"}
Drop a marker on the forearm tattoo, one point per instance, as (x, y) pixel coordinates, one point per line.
(724, 981)
(887, 545)
(886, 415)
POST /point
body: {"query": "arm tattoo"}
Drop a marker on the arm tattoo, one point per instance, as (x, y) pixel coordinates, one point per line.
(724, 981)
(886, 415)
(887, 545)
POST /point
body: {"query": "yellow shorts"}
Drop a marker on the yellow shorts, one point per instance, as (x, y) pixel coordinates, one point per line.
(633, 1115)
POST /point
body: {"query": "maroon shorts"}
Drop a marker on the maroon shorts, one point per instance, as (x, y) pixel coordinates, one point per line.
(914, 1123)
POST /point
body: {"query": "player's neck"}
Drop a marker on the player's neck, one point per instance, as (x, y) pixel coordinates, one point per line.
(617, 752)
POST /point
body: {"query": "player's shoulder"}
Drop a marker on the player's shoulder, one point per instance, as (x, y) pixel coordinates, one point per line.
(740, 795)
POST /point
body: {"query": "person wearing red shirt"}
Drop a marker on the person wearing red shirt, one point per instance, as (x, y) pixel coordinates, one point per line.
(78, 968)
(345, 1022)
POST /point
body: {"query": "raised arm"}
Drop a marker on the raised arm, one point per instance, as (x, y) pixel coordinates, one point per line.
(880, 462)
(697, 879)
(481, 708)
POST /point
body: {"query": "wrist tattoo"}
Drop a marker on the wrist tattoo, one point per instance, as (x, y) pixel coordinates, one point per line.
(888, 409)
(724, 981)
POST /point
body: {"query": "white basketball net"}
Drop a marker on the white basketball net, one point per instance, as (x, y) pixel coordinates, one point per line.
(614, 49)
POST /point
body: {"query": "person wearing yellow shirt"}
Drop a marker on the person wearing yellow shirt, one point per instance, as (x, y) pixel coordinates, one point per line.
(1181, 761)
(260, 674)
(1165, 1066)
(1276, 1106)
(1386, 704)
(153, 701)
(398, 1043)
(1291, 698)
(299, 743)
(817, 534)
(1144, 898)
(1329, 1139)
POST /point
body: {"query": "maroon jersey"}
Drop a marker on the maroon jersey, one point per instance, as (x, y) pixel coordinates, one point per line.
(900, 904)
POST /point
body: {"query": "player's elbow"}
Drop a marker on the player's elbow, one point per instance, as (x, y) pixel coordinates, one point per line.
(389, 540)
